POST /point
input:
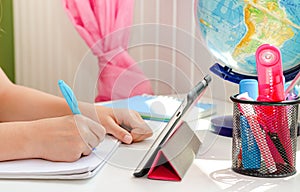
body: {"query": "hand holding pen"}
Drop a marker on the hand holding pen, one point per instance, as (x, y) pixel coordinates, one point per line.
(91, 132)
(125, 125)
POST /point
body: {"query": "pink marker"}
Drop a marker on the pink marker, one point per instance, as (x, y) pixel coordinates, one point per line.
(269, 73)
(271, 89)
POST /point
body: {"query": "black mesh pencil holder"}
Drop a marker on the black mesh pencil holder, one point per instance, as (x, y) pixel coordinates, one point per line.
(264, 137)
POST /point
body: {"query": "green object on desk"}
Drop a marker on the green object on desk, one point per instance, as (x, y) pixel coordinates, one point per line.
(154, 118)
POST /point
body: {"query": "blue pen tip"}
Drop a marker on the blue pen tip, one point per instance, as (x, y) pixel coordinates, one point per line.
(60, 82)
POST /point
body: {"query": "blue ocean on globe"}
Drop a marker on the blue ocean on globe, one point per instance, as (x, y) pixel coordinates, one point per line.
(232, 30)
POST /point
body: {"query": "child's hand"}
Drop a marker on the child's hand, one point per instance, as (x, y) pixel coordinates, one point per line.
(66, 138)
(125, 125)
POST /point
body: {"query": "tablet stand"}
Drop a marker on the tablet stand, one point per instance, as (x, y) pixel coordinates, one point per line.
(176, 155)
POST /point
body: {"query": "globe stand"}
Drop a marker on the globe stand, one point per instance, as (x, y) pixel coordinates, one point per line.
(228, 74)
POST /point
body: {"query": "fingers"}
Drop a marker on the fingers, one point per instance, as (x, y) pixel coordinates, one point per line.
(141, 133)
(128, 126)
(119, 132)
(91, 132)
(97, 129)
(140, 130)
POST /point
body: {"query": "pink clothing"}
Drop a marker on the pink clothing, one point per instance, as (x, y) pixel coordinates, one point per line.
(105, 27)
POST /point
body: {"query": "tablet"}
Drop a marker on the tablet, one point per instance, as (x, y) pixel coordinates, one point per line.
(189, 101)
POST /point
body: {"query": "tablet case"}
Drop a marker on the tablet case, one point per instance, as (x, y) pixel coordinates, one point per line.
(176, 155)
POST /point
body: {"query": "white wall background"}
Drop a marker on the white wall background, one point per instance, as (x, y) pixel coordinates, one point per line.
(48, 48)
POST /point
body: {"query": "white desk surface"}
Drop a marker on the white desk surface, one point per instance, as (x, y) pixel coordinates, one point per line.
(211, 171)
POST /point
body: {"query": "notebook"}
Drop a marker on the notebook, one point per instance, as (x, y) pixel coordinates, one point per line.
(160, 108)
(83, 168)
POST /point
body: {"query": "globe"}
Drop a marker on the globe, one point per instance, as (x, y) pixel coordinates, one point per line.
(232, 30)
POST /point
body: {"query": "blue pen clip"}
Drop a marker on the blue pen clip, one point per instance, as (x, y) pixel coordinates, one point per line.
(69, 96)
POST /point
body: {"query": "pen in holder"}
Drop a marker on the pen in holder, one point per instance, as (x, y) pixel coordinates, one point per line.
(274, 135)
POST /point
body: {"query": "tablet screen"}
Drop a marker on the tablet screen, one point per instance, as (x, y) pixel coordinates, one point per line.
(191, 98)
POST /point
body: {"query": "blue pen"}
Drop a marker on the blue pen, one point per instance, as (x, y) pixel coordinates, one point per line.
(69, 96)
(251, 158)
